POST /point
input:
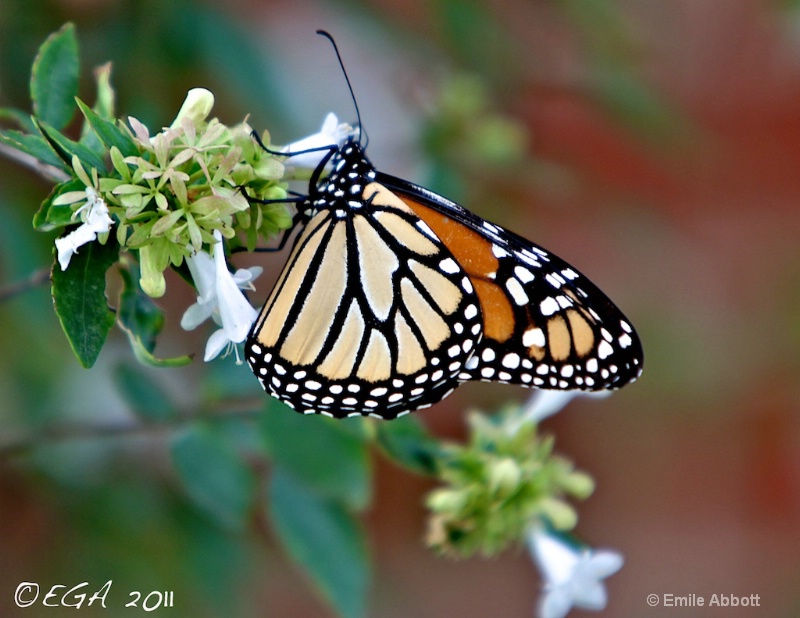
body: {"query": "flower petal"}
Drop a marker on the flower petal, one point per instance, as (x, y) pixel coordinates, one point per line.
(70, 197)
(195, 315)
(590, 595)
(201, 267)
(67, 245)
(556, 559)
(98, 219)
(141, 132)
(236, 313)
(555, 604)
(604, 563)
(332, 133)
(244, 276)
(217, 342)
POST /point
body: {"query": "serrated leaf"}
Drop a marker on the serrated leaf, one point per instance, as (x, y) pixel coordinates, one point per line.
(145, 397)
(322, 453)
(66, 148)
(34, 145)
(324, 539)
(108, 133)
(49, 216)
(54, 78)
(142, 320)
(80, 300)
(406, 441)
(214, 476)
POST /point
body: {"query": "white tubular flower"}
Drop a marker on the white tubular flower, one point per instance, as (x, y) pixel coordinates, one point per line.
(96, 221)
(573, 575)
(332, 133)
(220, 298)
(543, 403)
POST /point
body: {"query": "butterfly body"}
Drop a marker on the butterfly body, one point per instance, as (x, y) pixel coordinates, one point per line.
(394, 295)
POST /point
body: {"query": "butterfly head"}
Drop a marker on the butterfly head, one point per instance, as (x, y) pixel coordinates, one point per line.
(351, 171)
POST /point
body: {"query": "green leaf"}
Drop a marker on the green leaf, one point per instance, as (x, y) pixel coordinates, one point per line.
(108, 133)
(145, 397)
(21, 118)
(214, 476)
(80, 300)
(322, 453)
(142, 320)
(34, 145)
(406, 441)
(324, 539)
(54, 78)
(50, 217)
(65, 148)
(103, 108)
(104, 105)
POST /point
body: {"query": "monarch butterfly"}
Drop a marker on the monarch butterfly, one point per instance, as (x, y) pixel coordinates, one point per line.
(393, 295)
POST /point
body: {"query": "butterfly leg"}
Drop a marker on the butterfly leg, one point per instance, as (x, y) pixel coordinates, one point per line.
(297, 199)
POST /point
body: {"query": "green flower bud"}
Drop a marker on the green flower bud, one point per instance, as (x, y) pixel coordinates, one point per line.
(446, 500)
(578, 484)
(196, 107)
(269, 168)
(504, 476)
(560, 514)
(153, 260)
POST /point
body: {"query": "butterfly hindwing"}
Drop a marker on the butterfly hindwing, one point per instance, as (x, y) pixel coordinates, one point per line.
(545, 324)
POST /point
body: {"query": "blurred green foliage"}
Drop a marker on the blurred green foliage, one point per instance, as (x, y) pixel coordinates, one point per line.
(113, 511)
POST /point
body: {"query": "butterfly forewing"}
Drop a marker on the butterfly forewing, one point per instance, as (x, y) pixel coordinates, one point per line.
(372, 313)
(544, 324)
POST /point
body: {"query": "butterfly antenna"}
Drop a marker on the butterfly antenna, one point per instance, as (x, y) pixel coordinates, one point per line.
(328, 36)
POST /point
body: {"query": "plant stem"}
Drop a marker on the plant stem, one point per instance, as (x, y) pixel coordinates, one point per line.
(35, 279)
(43, 169)
(57, 434)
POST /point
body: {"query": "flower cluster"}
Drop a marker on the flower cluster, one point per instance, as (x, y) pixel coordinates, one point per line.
(176, 189)
(178, 195)
(506, 485)
(497, 484)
